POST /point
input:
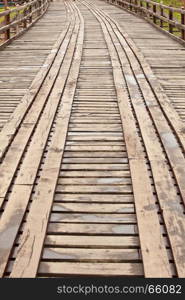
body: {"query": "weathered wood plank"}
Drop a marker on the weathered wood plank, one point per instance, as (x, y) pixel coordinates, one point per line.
(100, 269)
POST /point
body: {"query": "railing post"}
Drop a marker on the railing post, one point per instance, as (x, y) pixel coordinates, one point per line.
(147, 5)
(148, 9)
(130, 5)
(154, 11)
(170, 18)
(30, 11)
(161, 14)
(17, 26)
(141, 6)
(136, 8)
(183, 23)
(7, 21)
(24, 15)
(38, 7)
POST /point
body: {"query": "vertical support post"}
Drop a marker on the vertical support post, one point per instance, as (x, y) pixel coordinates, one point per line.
(17, 26)
(170, 18)
(136, 8)
(148, 9)
(183, 23)
(154, 11)
(161, 14)
(7, 21)
(25, 21)
(141, 6)
(38, 7)
(130, 6)
(30, 11)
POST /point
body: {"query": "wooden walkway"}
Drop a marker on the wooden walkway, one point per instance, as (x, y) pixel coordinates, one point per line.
(92, 172)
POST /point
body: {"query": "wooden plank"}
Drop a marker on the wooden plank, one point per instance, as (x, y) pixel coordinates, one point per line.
(98, 154)
(95, 160)
(96, 255)
(113, 228)
(89, 242)
(96, 167)
(95, 174)
(94, 148)
(121, 218)
(91, 269)
(94, 181)
(106, 255)
(93, 198)
(85, 207)
(84, 189)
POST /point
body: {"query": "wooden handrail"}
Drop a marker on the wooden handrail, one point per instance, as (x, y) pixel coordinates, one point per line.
(15, 21)
(159, 14)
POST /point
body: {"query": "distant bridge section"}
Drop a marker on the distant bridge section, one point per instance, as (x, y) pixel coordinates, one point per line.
(167, 18)
(14, 22)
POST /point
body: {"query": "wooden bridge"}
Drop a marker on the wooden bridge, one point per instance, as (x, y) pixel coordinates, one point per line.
(92, 141)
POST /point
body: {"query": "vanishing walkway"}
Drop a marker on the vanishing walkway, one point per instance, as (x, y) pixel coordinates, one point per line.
(92, 173)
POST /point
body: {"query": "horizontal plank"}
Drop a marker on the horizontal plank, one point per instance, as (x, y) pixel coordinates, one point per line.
(90, 269)
(89, 217)
(97, 241)
(76, 254)
(93, 198)
(94, 160)
(95, 154)
(94, 181)
(94, 148)
(93, 229)
(95, 174)
(96, 167)
(94, 189)
(94, 207)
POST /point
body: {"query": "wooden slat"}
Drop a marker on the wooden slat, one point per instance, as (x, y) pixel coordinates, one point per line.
(96, 241)
(93, 255)
(98, 269)
(85, 207)
(85, 217)
(96, 167)
(113, 226)
(93, 198)
(98, 181)
(94, 189)
(118, 255)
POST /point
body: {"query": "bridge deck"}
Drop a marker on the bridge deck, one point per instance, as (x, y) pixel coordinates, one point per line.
(92, 159)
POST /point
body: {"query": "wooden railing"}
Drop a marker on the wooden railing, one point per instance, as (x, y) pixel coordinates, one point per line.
(167, 18)
(15, 21)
